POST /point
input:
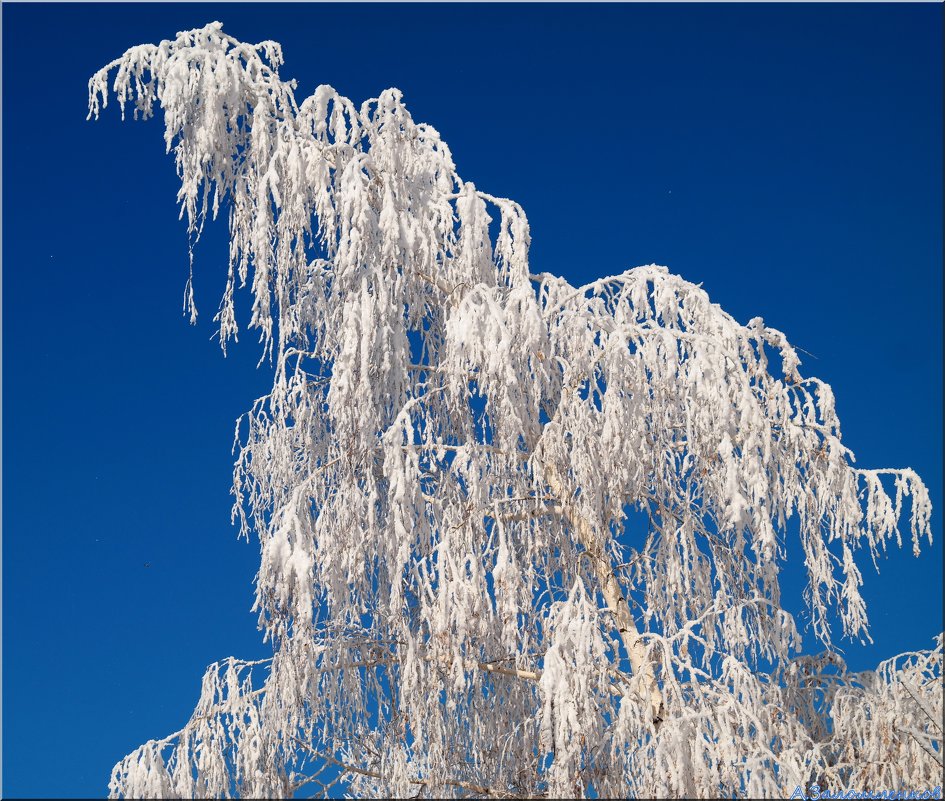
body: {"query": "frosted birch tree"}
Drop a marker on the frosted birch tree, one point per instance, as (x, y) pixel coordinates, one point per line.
(518, 537)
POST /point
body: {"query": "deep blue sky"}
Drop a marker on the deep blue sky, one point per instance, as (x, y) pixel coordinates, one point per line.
(788, 157)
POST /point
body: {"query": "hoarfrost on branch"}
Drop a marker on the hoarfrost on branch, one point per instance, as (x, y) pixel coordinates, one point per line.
(518, 537)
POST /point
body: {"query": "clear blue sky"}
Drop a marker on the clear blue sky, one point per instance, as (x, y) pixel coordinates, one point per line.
(787, 157)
